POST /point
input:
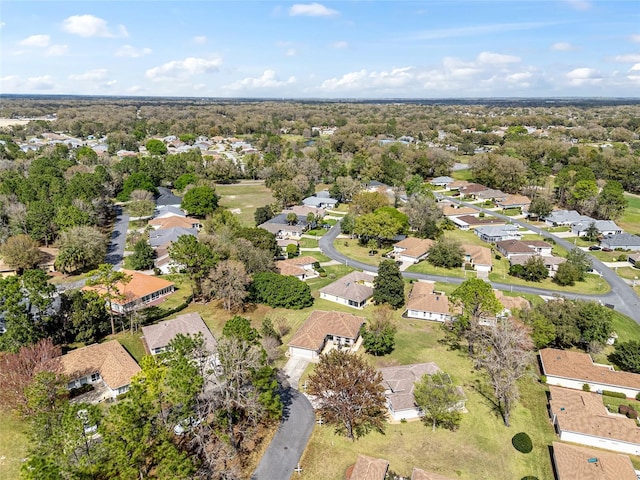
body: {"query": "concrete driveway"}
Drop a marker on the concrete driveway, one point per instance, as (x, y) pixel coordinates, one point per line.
(115, 251)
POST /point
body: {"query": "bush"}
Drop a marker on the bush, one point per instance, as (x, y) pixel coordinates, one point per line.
(278, 290)
(498, 256)
(543, 379)
(586, 387)
(638, 396)
(529, 477)
(522, 442)
(633, 414)
(623, 409)
(622, 258)
(609, 393)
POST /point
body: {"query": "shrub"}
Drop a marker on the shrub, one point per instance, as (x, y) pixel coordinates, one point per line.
(633, 414)
(522, 442)
(638, 396)
(586, 387)
(543, 379)
(529, 477)
(623, 409)
(498, 256)
(622, 258)
(609, 393)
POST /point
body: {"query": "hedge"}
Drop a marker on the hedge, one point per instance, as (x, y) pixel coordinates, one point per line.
(522, 442)
(609, 393)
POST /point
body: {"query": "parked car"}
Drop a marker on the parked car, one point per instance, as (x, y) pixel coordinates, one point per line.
(595, 247)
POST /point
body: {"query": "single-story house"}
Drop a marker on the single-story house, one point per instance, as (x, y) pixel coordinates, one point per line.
(47, 262)
(624, 241)
(299, 267)
(552, 263)
(564, 218)
(452, 210)
(479, 257)
(281, 228)
(140, 290)
(514, 201)
(157, 337)
(426, 304)
(168, 211)
(510, 248)
(399, 383)
(634, 259)
(369, 468)
(412, 249)
(283, 243)
(467, 222)
(376, 186)
(457, 185)
(175, 222)
(510, 303)
(442, 182)
(324, 329)
(539, 246)
(605, 227)
(419, 474)
(470, 189)
(581, 417)
(169, 235)
(304, 210)
(493, 234)
(320, 202)
(570, 369)
(166, 197)
(579, 463)
(490, 194)
(354, 290)
(106, 362)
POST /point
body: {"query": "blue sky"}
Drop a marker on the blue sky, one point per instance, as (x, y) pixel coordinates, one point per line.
(354, 49)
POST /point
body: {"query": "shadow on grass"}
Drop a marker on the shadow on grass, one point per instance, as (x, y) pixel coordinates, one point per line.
(485, 392)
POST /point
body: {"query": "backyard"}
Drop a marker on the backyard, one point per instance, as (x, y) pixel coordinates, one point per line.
(243, 199)
(630, 220)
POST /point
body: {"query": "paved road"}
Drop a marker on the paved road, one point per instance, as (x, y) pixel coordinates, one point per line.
(284, 451)
(115, 252)
(621, 296)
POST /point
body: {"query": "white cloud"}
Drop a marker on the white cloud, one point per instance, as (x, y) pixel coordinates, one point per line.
(91, 75)
(491, 58)
(184, 68)
(579, 4)
(44, 82)
(562, 47)
(635, 68)
(311, 10)
(364, 80)
(2, 24)
(339, 44)
(475, 30)
(521, 79)
(132, 52)
(91, 26)
(135, 89)
(635, 38)
(36, 41)
(627, 58)
(291, 52)
(56, 50)
(200, 40)
(584, 76)
(268, 79)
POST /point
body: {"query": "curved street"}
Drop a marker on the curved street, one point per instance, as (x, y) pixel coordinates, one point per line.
(621, 296)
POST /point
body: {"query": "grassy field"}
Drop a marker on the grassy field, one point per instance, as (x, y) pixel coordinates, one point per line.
(630, 221)
(481, 448)
(244, 198)
(13, 445)
(426, 268)
(352, 249)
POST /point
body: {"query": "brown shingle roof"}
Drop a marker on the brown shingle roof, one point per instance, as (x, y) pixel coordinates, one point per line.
(419, 474)
(160, 334)
(351, 287)
(579, 366)
(369, 468)
(414, 247)
(139, 286)
(319, 324)
(174, 222)
(449, 210)
(514, 200)
(472, 220)
(511, 303)
(479, 255)
(578, 463)
(423, 299)
(583, 412)
(110, 359)
(400, 381)
(514, 247)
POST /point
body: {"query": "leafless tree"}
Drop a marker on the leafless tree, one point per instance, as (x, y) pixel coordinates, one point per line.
(504, 351)
(228, 281)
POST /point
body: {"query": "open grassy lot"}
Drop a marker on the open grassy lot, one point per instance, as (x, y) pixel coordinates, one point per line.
(426, 268)
(629, 273)
(308, 242)
(630, 220)
(462, 174)
(13, 445)
(481, 448)
(352, 249)
(245, 197)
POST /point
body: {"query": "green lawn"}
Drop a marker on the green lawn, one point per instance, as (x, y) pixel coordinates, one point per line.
(462, 174)
(245, 198)
(132, 342)
(630, 220)
(13, 445)
(629, 273)
(426, 268)
(626, 328)
(481, 448)
(308, 242)
(352, 249)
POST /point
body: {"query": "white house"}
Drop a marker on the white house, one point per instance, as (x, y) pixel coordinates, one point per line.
(581, 417)
(426, 304)
(399, 383)
(157, 337)
(623, 241)
(106, 364)
(354, 290)
(565, 218)
(322, 330)
(575, 369)
(580, 463)
(442, 182)
(412, 249)
(491, 234)
(604, 227)
(479, 257)
(299, 267)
